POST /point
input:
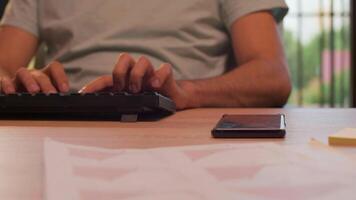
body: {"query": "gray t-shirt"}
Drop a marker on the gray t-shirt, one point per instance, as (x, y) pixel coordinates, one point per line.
(87, 35)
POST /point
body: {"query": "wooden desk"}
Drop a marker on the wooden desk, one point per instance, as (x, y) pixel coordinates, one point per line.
(21, 142)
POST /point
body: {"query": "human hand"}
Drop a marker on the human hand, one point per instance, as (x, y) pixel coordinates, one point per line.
(137, 76)
(51, 79)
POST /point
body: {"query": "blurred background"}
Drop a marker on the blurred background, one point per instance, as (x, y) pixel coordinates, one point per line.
(317, 36)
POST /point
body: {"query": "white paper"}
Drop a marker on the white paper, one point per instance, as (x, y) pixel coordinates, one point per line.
(226, 171)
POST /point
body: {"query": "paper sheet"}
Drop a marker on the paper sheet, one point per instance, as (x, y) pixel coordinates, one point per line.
(227, 171)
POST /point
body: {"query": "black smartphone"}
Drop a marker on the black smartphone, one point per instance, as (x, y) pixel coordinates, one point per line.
(251, 126)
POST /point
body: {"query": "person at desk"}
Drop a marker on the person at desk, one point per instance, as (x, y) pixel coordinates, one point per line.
(180, 49)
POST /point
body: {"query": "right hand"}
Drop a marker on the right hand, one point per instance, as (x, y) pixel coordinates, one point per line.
(51, 79)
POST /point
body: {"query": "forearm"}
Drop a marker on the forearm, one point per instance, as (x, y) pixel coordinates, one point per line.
(17, 47)
(257, 83)
(7, 65)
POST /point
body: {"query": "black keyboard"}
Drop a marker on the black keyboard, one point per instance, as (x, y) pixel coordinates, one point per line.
(95, 106)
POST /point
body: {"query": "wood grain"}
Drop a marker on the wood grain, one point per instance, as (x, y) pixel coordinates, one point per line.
(21, 151)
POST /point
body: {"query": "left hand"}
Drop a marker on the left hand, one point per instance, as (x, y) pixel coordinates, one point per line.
(137, 76)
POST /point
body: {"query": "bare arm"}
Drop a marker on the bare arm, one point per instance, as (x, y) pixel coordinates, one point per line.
(17, 47)
(260, 80)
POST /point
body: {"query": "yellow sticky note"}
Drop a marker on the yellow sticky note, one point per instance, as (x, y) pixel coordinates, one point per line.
(346, 137)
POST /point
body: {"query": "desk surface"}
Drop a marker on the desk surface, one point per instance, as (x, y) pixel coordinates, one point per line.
(21, 142)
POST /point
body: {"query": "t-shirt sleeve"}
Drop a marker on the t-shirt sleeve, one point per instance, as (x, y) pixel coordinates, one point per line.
(234, 9)
(22, 14)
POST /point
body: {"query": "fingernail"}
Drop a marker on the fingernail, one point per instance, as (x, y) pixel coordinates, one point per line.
(81, 90)
(52, 92)
(156, 83)
(64, 87)
(133, 88)
(9, 90)
(34, 88)
(117, 86)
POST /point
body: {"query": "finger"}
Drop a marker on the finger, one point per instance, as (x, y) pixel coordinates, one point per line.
(98, 85)
(121, 71)
(45, 83)
(7, 86)
(163, 78)
(142, 69)
(24, 77)
(55, 71)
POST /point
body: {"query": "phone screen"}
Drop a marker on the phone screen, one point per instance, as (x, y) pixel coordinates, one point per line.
(251, 121)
